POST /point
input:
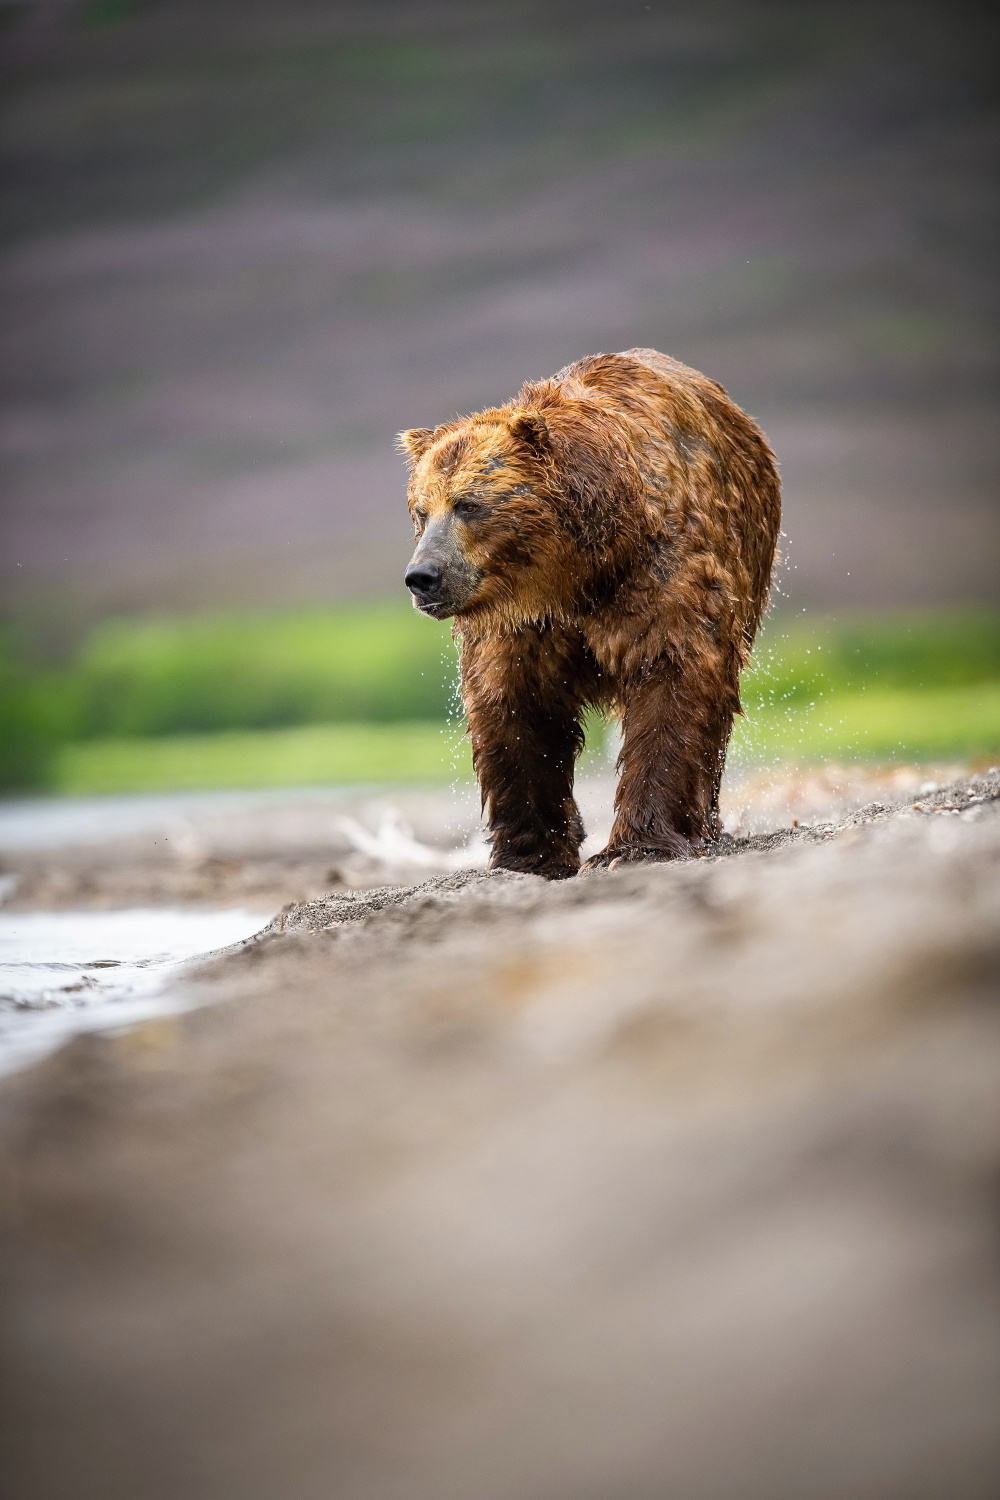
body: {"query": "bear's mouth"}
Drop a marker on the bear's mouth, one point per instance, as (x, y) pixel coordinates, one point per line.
(438, 610)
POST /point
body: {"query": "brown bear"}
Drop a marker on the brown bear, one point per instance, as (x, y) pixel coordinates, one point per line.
(604, 539)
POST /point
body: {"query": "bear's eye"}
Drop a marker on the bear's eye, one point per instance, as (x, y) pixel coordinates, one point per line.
(419, 520)
(466, 507)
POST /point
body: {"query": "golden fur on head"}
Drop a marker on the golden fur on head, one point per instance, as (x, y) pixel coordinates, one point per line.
(606, 538)
(415, 442)
(515, 493)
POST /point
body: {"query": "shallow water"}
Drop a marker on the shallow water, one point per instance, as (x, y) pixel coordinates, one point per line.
(62, 973)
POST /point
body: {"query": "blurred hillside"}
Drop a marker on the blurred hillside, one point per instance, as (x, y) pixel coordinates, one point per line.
(245, 243)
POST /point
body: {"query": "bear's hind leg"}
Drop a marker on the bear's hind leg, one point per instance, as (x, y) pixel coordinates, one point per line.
(677, 722)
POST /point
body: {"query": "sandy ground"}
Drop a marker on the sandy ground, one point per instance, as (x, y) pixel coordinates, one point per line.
(269, 849)
(674, 1181)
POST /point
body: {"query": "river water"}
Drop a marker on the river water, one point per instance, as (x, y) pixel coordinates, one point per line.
(62, 973)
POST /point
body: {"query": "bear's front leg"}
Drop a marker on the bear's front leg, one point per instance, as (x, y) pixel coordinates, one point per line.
(521, 697)
(676, 723)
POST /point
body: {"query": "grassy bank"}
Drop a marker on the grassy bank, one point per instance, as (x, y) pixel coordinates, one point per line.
(310, 755)
(363, 695)
(962, 723)
(880, 724)
(375, 663)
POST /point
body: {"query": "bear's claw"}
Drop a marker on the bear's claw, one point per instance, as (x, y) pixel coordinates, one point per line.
(640, 854)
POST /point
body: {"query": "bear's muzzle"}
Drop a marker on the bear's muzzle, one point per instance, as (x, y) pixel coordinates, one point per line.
(440, 577)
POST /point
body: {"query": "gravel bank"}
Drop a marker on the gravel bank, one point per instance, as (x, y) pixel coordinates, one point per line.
(678, 1180)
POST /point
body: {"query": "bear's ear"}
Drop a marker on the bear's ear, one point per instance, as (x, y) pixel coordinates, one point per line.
(531, 428)
(415, 442)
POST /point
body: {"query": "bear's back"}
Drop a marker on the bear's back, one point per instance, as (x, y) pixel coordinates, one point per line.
(587, 371)
(707, 470)
(661, 364)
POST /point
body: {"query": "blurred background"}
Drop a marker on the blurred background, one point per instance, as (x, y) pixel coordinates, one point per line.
(245, 243)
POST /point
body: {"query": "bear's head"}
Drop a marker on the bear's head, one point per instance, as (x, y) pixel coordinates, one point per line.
(513, 509)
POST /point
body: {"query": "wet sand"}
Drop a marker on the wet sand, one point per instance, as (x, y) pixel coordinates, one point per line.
(677, 1180)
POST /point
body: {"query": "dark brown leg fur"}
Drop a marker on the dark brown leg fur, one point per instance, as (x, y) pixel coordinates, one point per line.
(523, 691)
(675, 737)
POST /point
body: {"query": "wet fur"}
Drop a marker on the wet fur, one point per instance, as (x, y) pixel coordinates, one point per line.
(622, 525)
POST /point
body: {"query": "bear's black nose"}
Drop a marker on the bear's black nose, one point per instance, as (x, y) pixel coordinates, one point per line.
(423, 578)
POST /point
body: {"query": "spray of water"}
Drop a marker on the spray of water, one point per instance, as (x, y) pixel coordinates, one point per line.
(462, 803)
(788, 718)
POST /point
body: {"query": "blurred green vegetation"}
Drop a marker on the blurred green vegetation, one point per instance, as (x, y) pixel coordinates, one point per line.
(308, 755)
(915, 685)
(795, 660)
(365, 694)
(375, 663)
(26, 740)
(879, 724)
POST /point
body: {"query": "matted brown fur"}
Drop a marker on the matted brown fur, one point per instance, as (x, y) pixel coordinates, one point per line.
(604, 539)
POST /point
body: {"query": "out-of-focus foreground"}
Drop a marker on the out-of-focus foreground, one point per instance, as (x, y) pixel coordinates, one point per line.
(669, 1181)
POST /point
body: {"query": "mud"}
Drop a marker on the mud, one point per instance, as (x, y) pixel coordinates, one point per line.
(676, 1180)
